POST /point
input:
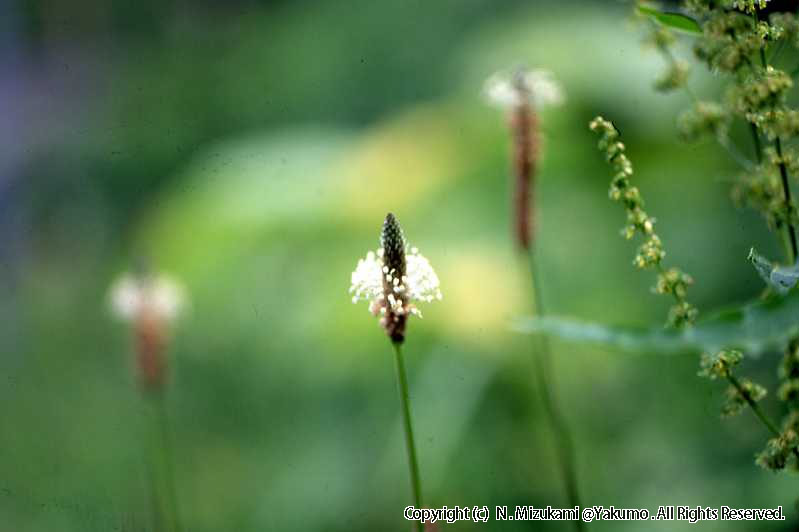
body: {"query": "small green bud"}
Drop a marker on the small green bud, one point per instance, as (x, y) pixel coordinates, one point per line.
(650, 253)
(681, 314)
(778, 451)
(703, 119)
(719, 365)
(737, 399)
(750, 6)
(675, 77)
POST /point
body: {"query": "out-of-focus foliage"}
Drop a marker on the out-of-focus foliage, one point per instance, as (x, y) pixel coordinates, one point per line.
(252, 150)
(755, 327)
(676, 21)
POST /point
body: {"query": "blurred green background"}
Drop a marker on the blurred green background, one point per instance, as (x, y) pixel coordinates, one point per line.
(251, 149)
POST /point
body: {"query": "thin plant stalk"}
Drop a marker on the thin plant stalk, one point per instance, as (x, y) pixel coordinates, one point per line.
(150, 303)
(724, 141)
(545, 379)
(758, 149)
(161, 464)
(413, 463)
(767, 422)
(756, 142)
(394, 279)
(792, 252)
(524, 129)
(761, 416)
(786, 189)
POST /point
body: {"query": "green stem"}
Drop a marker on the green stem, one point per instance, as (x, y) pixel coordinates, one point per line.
(743, 393)
(756, 141)
(770, 425)
(665, 51)
(786, 189)
(756, 17)
(413, 464)
(543, 371)
(155, 491)
(162, 468)
(753, 405)
(724, 142)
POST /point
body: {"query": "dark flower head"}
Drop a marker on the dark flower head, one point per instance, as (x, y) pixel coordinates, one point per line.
(393, 243)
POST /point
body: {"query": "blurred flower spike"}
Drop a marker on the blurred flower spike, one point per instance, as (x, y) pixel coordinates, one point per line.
(523, 87)
(522, 93)
(392, 279)
(149, 304)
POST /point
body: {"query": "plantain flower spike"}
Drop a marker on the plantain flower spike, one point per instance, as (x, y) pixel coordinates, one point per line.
(393, 279)
(537, 88)
(522, 93)
(149, 303)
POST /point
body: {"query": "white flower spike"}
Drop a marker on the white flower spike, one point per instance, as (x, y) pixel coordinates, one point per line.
(149, 304)
(534, 87)
(392, 279)
(132, 296)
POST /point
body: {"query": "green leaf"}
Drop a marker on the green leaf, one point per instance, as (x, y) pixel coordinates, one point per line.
(675, 21)
(753, 328)
(780, 278)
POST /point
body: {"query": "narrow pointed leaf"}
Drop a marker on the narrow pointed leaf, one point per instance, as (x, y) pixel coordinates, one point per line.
(675, 21)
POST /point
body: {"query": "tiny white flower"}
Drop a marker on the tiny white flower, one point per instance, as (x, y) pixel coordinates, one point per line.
(419, 284)
(132, 296)
(393, 288)
(536, 87)
(421, 281)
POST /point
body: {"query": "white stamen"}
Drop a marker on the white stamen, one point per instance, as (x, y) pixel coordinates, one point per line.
(537, 87)
(420, 283)
(130, 296)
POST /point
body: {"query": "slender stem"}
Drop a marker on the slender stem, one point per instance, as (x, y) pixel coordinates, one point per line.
(770, 425)
(665, 51)
(756, 17)
(544, 378)
(767, 422)
(756, 141)
(758, 148)
(413, 464)
(162, 468)
(724, 142)
(786, 189)
(155, 491)
(753, 405)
